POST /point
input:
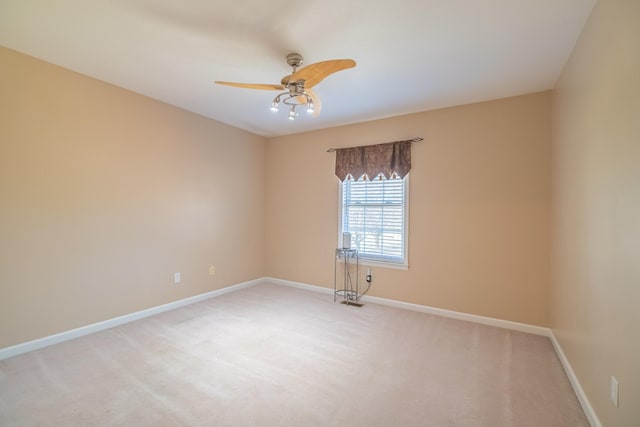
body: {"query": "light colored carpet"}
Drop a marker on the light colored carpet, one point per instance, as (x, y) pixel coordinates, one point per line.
(271, 355)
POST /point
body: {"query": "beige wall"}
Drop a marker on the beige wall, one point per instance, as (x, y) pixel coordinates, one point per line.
(479, 207)
(596, 217)
(104, 194)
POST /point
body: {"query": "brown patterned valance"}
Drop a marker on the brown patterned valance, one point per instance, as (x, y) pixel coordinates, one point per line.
(373, 160)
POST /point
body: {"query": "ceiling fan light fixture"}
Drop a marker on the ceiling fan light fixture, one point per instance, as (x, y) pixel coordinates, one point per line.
(292, 113)
(293, 98)
(297, 85)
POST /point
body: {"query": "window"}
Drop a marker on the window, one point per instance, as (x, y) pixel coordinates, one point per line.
(375, 213)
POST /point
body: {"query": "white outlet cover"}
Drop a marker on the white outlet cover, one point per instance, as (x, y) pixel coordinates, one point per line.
(614, 391)
(177, 278)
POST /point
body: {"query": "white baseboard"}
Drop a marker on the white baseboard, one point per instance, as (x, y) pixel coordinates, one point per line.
(299, 285)
(506, 324)
(116, 321)
(490, 321)
(577, 387)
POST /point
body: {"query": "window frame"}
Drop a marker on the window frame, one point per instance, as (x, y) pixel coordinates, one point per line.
(375, 262)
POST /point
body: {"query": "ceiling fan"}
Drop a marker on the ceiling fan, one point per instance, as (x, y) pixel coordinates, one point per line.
(296, 87)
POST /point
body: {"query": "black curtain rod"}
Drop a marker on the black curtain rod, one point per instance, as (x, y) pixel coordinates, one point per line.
(413, 141)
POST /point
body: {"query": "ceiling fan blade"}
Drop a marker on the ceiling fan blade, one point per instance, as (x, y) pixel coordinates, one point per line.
(317, 104)
(252, 85)
(314, 73)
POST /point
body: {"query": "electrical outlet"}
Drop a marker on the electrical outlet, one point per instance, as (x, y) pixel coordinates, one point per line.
(368, 277)
(212, 270)
(177, 278)
(614, 391)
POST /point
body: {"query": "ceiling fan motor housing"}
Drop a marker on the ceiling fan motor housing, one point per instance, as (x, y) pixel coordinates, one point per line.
(294, 60)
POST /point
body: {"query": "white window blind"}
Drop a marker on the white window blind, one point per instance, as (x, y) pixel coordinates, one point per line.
(374, 213)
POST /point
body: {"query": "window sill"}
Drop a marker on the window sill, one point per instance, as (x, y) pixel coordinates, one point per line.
(382, 264)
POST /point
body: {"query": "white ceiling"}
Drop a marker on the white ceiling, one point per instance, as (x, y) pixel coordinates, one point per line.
(412, 55)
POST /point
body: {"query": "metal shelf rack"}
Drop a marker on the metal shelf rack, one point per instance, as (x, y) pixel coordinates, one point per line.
(347, 290)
